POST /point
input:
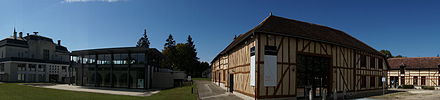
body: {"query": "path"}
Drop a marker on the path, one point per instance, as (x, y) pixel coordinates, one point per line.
(115, 91)
(208, 91)
(408, 94)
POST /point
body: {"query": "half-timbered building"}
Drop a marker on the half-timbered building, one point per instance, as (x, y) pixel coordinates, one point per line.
(283, 58)
(416, 71)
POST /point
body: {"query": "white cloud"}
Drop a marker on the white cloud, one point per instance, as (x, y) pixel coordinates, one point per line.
(73, 1)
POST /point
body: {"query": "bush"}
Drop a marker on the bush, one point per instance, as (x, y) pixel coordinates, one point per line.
(428, 87)
(407, 87)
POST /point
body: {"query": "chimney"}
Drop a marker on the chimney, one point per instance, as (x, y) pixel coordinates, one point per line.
(59, 42)
(20, 35)
(35, 33)
(27, 34)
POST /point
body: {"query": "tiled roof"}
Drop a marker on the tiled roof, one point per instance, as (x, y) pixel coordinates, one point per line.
(414, 62)
(293, 28)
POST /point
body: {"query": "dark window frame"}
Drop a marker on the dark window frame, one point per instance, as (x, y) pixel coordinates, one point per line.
(372, 62)
(363, 59)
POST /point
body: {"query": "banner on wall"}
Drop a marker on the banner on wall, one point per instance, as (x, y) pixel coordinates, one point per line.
(252, 69)
(270, 66)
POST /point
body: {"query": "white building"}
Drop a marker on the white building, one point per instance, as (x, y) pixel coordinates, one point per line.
(33, 58)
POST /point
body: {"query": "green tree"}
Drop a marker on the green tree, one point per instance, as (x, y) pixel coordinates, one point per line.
(170, 54)
(398, 56)
(387, 53)
(143, 41)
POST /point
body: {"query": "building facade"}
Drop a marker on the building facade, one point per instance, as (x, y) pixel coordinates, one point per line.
(283, 58)
(417, 71)
(127, 67)
(33, 58)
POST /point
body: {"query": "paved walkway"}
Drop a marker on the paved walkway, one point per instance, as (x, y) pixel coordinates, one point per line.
(208, 91)
(115, 91)
(407, 94)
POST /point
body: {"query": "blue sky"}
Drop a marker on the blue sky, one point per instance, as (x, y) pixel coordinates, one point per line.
(407, 27)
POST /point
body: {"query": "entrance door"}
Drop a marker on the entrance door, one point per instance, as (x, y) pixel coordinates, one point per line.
(231, 82)
(394, 81)
(312, 76)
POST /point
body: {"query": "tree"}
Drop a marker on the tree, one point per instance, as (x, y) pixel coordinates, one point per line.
(183, 56)
(170, 42)
(170, 54)
(143, 41)
(399, 56)
(387, 53)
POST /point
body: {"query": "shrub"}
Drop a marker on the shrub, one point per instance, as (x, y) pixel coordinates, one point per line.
(428, 87)
(407, 87)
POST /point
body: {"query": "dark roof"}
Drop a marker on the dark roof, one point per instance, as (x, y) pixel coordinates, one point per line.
(114, 50)
(61, 49)
(414, 62)
(293, 28)
(13, 42)
(37, 37)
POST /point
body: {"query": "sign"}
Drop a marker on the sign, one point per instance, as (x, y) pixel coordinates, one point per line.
(270, 66)
(189, 78)
(383, 79)
(252, 69)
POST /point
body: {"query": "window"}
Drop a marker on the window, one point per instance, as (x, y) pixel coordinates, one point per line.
(121, 59)
(32, 67)
(363, 61)
(138, 58)
(380, 62)
(363, 81)
(415, 80)
(380, 81)
(372, 82)
(2, 67)
(21, 67)
(46, 54)
(41, 68)
(402, 80)
(438, 81)
(423, 80)
(372, 62)
(104, 58)
(21, 77)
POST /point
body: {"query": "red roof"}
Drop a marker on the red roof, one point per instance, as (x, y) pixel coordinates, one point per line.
(293, 28)
(414, 62)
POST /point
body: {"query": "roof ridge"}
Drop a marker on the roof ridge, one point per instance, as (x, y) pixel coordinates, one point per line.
(344, 33)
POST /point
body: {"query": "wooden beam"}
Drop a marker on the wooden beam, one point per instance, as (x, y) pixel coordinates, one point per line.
(281, 80)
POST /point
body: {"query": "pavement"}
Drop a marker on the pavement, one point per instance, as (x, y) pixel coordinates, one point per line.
(114, 91)
(407, 94)
(209, 91)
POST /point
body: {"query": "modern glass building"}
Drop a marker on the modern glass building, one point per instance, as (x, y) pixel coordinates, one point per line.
(126, 67)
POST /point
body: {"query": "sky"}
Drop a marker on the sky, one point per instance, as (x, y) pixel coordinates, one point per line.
(407, 27)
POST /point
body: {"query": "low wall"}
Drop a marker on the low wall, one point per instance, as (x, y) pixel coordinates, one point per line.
(162, 80)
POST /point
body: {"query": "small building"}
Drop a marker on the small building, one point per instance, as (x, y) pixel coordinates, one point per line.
(288, 59)
(33, 58)
(417, 71)
(125, 67)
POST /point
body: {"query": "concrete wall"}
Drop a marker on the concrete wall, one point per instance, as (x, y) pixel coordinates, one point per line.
(163, 80)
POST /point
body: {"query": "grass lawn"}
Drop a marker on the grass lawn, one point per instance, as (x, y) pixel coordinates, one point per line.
(12, 91)
(206, 79)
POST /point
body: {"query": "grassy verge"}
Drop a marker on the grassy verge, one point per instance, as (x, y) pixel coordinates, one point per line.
(10, 91)
(206, 79)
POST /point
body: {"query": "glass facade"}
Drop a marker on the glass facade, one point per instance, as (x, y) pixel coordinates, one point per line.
(124, 70)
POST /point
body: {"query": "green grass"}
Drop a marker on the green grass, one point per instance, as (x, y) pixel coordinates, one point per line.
(11, 91)
(207, 79)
